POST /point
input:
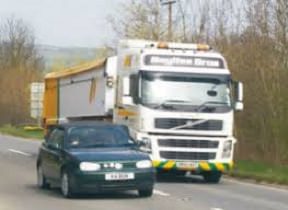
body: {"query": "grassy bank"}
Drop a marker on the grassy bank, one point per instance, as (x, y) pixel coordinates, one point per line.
(261, 172)
(21, 132)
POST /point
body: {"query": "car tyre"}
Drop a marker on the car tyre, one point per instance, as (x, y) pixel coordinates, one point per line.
(212, 176)
(41, 179)
(145, 192)
(66, 188)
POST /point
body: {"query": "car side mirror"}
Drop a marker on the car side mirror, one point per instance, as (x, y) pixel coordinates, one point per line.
(46, 138)
(141, 143)
(53, 146)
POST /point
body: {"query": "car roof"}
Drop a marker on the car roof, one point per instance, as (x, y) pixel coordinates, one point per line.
(89, 123)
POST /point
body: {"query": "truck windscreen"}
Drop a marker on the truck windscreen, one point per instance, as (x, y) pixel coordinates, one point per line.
(185, 91)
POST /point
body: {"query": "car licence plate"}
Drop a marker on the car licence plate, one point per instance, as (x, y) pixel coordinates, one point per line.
(119, 176)
(187, 165)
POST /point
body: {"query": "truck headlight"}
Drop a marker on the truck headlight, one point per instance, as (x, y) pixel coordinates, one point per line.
(144, 164)
(87, 166)
(227, 149)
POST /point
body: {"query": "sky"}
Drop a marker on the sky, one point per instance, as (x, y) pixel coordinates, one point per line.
(65, 23)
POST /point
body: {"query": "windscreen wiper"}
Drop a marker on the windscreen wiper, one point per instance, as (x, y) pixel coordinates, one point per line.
(204, 105)
(168, 103)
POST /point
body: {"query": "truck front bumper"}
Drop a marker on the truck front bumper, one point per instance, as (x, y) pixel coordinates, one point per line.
(193, 166)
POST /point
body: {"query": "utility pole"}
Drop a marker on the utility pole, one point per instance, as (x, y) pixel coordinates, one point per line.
(169, 3)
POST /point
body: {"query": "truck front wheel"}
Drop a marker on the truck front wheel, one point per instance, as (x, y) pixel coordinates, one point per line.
(212, 176)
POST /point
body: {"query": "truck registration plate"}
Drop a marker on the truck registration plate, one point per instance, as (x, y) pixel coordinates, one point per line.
(119, 176)
(187, 165)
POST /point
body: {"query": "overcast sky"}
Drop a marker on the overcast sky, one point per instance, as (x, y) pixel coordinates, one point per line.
(64, 22)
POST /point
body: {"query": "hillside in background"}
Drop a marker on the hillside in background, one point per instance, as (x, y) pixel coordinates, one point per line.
(60, 57)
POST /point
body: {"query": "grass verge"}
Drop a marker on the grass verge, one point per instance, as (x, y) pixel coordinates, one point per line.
(260, 172)
(21, 132)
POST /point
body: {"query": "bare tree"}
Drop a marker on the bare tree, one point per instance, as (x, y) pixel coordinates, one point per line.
(253, 36)
(140, 20)
(19, 65)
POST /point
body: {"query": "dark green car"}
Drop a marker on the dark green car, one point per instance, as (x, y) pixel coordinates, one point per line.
(93, 157)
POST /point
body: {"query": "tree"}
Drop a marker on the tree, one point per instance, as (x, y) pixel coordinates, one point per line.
(20, 64)
(253, 36)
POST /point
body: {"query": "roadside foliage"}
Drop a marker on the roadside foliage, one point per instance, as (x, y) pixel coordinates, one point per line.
(19, 66)
(253, 36)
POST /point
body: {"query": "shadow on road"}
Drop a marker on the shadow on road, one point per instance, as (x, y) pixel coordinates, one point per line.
(193, 179)
(56, 193)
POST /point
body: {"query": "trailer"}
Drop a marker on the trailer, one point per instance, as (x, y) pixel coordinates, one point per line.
(81, 92)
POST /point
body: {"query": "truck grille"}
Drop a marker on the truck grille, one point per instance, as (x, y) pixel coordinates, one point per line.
(188, 155)
(188, 143)
(169, 123)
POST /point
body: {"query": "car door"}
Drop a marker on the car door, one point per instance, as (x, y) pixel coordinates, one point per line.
(54, 153)
(44, 153)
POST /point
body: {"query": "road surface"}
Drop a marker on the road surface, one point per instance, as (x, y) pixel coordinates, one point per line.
(18, 190)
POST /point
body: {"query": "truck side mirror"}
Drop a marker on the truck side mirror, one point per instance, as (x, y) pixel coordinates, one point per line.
(126, 98)
(126, 86)
(239, 106)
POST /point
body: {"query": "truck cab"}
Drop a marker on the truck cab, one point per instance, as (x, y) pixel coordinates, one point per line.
(179, 100)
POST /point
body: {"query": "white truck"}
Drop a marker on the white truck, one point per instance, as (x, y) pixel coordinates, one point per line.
(177, 99)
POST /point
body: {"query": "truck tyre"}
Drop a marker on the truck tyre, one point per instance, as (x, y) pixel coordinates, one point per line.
(41, 179)
(177, 173)
(66, 188)
(145, 192)
(212, 176)
(180, 173)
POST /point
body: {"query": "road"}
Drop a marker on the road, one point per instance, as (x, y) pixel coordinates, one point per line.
(18, 190)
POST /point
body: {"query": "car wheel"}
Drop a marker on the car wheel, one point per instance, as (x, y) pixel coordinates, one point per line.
(41, 179)
(145, 193)
(212, 176)
(66, 186)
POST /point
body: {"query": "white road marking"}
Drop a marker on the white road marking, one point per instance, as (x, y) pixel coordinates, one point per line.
(29, 141)
(216, 209)
(158, 192)
(19, 152)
